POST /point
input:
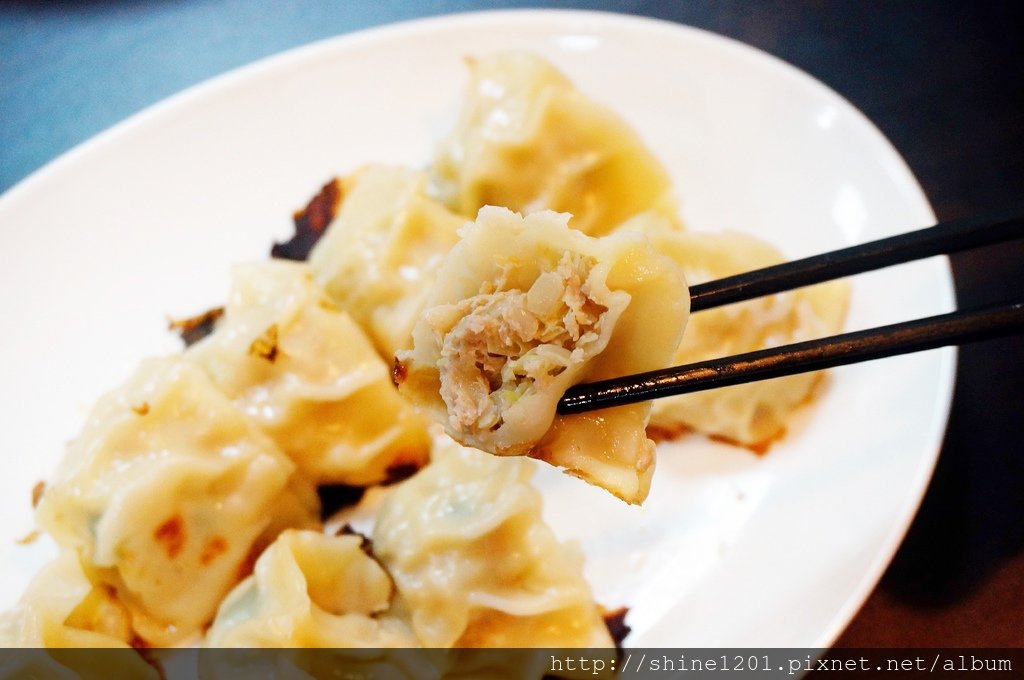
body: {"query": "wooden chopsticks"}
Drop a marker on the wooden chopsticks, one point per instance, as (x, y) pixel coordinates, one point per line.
(956, 328)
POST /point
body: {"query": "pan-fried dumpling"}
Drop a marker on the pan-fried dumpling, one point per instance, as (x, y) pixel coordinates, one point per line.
(165, 493)
(528, 140)
(378, 256)
(474, 563)
(305, 372)
(524, 308)
(312, 590)
(60, 609)
(755, 413)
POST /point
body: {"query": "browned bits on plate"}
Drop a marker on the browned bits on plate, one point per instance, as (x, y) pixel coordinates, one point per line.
(171, 534)
(310, 223)
(29, 538)
(265, 346)
(195, 328)
(142, 409)
(37, 492)
(615, 622)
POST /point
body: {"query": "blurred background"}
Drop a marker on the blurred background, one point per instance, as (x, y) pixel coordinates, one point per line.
(940, 79)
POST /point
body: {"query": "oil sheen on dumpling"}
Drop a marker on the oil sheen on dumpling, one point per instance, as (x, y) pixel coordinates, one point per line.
(474, 563)
(524, 308)
(753, 414)
(378, 256)
(304, 371)
(528, 140)
(312, 590)
(166, 492)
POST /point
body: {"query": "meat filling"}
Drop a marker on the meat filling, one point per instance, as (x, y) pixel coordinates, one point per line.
(509, 342)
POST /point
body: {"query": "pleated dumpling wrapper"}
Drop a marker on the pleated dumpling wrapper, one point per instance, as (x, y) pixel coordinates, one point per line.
(309, 589)
(378, 256)
(754, 414)
(474, 563)
(528, 140)
(166, 493)
(524, 308)
(302, 370)
(60, 609)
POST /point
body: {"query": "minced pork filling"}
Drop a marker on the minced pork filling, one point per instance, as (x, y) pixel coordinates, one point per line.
(508, 342)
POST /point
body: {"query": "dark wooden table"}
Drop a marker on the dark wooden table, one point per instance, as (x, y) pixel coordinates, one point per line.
(941, 80)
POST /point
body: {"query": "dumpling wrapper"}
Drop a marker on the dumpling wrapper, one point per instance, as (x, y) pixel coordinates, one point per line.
(528, 140)
(62, 609)
(524, 308)
(166, 492)
(474, 563)
(289, 359)
(753, 414)
(312, 590)
(378, 256)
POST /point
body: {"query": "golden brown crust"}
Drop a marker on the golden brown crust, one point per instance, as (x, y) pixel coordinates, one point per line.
(665, 433)
(661, 433)
(171, 534)
(760, 448)
(195, 328)
(248, 563)
(310, 223)
(214, 548)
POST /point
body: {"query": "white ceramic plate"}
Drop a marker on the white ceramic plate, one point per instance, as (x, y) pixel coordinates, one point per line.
(731, 549)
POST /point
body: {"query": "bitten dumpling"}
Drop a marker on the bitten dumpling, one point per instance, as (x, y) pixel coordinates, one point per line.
(528, 140)
(524, 308)
(312, 590)
(474, 563)
(288, 358)
(378, 256)
(166, 492)
(753, 414)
